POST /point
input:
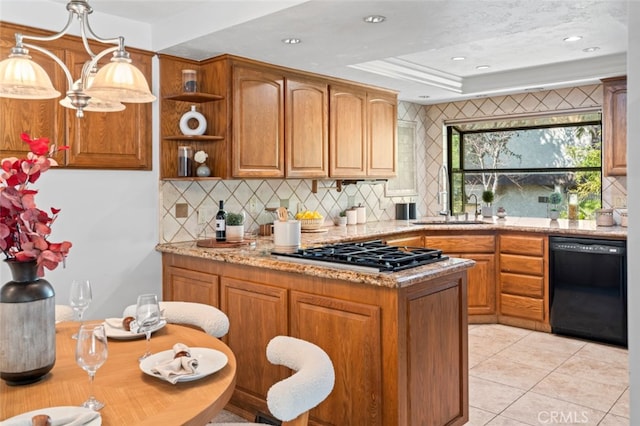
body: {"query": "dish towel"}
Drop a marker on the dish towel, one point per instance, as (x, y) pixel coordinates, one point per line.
(62, 420)
(181, 365)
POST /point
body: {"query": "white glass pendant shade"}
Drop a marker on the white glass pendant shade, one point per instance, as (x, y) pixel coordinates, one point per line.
(95, 105)
(21, 78)
(120, 81)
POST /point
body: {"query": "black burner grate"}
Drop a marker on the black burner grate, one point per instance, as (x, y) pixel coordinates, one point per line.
(376, 255)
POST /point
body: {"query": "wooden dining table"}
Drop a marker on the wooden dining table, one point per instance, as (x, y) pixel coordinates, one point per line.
(131, 397)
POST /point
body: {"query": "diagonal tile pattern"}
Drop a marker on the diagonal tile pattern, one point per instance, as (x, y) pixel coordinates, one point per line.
(430, 122)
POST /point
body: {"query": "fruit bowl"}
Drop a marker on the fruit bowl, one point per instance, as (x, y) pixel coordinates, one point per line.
(311, 223)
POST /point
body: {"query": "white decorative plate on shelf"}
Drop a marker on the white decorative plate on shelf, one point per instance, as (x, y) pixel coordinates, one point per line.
(59, 416)
(209, 361)
(117, 332)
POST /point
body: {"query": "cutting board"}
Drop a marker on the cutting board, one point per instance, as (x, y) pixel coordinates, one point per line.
(314, 231)
(212, 243)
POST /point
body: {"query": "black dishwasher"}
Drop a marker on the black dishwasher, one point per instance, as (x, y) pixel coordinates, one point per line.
(588, 288)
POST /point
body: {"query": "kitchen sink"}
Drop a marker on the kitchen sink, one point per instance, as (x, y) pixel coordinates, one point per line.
(451, 222)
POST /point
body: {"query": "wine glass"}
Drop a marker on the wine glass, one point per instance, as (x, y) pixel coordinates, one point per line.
(147, 317)
(91, 353)
(79, 298)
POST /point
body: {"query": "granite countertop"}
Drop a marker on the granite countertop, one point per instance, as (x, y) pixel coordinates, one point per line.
(258, 253)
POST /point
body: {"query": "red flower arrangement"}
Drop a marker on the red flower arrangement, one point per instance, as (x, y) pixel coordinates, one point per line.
(24, 228)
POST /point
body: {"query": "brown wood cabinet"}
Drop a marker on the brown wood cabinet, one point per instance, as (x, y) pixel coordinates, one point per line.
(362, 136)
(524, 280)
(481, 278)
(382, 149)
(614, 126)
(173, 104)
(114, 140)
(258, 123)
(400, 354)
(188, 279)
(306, 128)
(406, 241)
(276, 122)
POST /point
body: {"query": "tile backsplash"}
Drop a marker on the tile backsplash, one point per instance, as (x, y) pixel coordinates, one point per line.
(254, 195)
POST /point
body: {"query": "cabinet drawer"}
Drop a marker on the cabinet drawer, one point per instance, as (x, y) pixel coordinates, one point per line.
(523, 285)
(522, 244)
(522, 307)
(462, 243)
(409, 241)
(522, 264)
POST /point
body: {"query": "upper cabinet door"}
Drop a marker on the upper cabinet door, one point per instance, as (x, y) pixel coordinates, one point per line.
(39, 118)
(614, 115)
(348, 132)
(258, 123)
(110, 140)
(307, 127)
(382, 119)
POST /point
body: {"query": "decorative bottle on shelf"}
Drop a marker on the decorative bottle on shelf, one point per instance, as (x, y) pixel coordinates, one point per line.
(221, 223)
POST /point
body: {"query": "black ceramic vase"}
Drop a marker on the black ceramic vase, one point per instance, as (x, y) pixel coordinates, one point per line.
(27, 325)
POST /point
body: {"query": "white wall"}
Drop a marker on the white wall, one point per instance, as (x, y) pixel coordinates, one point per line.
(110, 217)
(633, 241)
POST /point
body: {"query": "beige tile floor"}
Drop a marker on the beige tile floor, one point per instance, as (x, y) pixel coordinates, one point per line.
(521, 377)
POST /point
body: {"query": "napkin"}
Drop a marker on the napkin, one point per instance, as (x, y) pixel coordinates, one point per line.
(173, 369)
(114, 322)
(77, 419)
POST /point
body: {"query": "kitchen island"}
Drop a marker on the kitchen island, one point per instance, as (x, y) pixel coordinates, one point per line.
(398, 340)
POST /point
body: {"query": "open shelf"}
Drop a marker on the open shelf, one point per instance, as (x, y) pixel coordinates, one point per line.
(193, 138)
(190, 178)
(197, 97)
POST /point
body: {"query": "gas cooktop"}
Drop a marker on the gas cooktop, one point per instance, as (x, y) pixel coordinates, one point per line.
(368, 256)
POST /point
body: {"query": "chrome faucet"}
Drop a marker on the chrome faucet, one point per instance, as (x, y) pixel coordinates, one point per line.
(475, 210)
(443, 191)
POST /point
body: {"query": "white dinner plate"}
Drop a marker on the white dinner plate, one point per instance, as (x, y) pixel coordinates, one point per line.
(56, 414)
(122, 334)
(209, 361)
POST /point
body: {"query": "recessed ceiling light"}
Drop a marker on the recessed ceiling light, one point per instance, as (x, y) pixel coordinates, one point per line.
(291, 40)
(458, 58)
(374, 19)
(591, 49)
(572, 38)
(483, 67)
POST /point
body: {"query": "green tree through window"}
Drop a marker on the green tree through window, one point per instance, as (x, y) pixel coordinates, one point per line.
(523, 161)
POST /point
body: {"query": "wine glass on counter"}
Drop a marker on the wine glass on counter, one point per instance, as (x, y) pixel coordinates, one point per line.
(91, 353)
(79, 299)
(147, 317)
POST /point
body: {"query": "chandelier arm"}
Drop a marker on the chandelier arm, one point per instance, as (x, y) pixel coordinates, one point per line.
(85, 27)
(20, 36)
(67, 73)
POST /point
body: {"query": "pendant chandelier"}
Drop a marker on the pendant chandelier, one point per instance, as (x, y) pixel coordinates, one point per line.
(97, 88)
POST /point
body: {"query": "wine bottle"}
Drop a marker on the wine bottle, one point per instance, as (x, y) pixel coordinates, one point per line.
(221, 223)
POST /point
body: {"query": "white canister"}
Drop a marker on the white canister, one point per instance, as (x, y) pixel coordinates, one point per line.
(286, 235)
(361, 214)
(352, 217)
